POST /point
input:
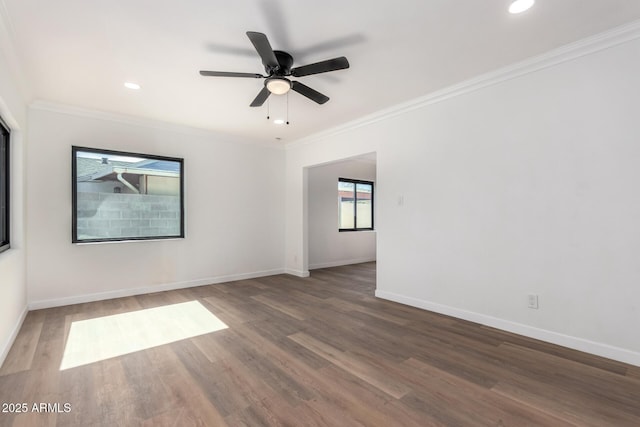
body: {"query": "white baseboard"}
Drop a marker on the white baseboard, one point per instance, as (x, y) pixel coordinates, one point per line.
(576, 343)
(78, 299)
(339, 263)
(298, 273)
(6, 346)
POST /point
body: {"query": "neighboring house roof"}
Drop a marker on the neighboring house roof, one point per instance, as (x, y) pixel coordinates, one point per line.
(92, 169)
(87, 166)
(163, 165)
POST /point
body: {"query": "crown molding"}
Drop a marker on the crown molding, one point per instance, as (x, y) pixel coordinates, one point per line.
(566, 53)
(160, 125)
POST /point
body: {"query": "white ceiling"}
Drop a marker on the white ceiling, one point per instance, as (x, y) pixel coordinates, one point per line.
(80, 52)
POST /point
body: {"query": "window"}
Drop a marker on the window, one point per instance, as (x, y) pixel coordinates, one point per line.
(355, 205)
(126, 196)
(4, 187)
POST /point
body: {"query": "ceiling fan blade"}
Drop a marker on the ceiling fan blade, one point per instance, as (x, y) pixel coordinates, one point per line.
(321, 67)
(230, 74)
(312, 94)
(262, 96)
(263, 47)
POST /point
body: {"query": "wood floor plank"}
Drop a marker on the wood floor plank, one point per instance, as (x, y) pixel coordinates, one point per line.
(470, 365)
(286, 386)
(246, 398)
(207, 347)
(362, 332)
(618, 389)
(284, 308)
(20, 356)
(277, 336)
(77, 385)
(43, 385)
(12, 387)
(481, 403)
(320, 410)
(633, 372)
(354, 401)
(560, 405)
(184, 390)
(352, 365)
(231, 314)
(348, 306)
(113, 394)
(317, 351)
(343, 400)
(563, 352)
(152, 398)
(214, 379)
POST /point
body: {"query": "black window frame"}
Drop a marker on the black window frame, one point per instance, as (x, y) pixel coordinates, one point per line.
(5, 186)
(355, 210)
(74, 195)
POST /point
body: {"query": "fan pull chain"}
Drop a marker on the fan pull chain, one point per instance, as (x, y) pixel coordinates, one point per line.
(287, 108)
(268, 104)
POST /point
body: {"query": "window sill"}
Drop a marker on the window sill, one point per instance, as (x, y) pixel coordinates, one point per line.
(128, 241)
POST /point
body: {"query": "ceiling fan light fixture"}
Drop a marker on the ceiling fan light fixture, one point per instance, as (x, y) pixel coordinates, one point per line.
(278, 85)
(519, 6)
(277, 66)
(279, 121)
(132, 85)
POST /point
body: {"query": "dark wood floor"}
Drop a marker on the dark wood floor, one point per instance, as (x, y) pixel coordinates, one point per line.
(320, 351)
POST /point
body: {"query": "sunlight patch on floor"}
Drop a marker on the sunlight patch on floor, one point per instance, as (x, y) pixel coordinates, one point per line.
(105, 337)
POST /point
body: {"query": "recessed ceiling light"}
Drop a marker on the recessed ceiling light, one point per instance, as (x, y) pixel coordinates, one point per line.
(519, 6)
(278, 121)
(131, 85)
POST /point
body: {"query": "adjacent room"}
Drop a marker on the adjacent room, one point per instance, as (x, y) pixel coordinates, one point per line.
(281, 213)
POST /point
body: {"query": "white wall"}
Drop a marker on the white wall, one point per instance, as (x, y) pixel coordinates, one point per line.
(234, 210)
(526, 181)
(327, 246)
(13, 293)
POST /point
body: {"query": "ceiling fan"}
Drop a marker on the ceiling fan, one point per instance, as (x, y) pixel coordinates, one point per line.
(277, 65)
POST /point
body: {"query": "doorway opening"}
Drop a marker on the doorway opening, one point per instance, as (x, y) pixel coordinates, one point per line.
(328, 206)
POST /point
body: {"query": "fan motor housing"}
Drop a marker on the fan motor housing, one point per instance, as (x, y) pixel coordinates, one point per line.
(285, 60)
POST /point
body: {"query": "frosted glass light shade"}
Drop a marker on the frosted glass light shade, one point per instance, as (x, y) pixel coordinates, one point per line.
(278, 86)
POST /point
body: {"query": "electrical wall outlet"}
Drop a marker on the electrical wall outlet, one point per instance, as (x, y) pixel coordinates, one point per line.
(532, 301)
